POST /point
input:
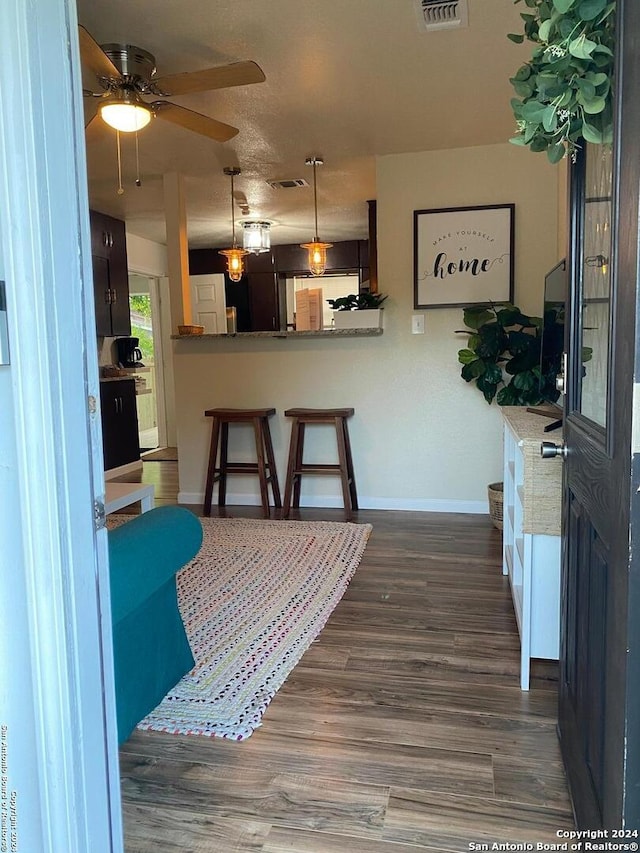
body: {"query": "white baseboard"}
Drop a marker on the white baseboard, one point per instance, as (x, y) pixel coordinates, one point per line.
(123, 469)
(326, 501)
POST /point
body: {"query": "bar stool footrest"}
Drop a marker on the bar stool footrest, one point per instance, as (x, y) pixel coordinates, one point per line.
(318, 469)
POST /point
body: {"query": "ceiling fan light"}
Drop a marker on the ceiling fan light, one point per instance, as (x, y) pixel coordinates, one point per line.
(125, 111)
(235, 262)
(256, 236)
(316, 256)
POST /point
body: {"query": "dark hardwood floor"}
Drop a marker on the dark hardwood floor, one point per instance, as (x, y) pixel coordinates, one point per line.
(402, 728)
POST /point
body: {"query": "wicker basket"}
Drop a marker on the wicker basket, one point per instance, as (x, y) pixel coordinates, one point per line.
(496, 498)
(190, 330)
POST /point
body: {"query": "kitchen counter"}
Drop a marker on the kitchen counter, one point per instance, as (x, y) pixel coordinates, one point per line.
(322, 333)
(139, 391)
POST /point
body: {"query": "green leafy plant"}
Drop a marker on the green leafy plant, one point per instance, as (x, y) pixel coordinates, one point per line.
(502, 355)
(357, 301)
(564, 91)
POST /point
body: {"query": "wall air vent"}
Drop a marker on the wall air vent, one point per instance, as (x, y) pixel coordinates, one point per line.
(288, 185)
(441, 14)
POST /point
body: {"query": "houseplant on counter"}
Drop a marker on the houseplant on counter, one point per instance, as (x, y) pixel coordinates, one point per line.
(357, 310)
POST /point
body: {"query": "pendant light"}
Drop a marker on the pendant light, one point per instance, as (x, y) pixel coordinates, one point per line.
(234, 255)
(317, 251)
(256, 236)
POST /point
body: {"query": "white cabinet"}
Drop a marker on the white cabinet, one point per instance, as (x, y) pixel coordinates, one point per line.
(531, 536)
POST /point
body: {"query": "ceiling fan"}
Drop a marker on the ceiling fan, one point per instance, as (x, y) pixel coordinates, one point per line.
(125, 73)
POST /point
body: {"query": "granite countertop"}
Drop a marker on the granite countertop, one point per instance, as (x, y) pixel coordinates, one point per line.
(114, 378)
(323, 333)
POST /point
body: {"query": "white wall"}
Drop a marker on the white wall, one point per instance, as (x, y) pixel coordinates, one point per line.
(422, 438)
(146, 257)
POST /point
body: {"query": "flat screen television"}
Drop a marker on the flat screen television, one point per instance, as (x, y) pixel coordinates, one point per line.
(552, 338)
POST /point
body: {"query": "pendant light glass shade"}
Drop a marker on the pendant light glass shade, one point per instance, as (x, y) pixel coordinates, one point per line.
(234, 255)
(317, 256)
(235, 262)
(316, 249)
(125, 111)
(256, 236)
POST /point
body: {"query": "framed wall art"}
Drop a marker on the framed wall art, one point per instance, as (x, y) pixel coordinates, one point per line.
(463, 255)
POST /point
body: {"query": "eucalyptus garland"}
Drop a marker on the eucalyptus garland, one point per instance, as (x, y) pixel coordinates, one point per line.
(564, 91)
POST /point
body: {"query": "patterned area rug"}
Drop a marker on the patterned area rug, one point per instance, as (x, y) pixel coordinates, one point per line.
(253, 600)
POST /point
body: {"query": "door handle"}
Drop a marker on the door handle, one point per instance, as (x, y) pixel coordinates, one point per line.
(549, 450)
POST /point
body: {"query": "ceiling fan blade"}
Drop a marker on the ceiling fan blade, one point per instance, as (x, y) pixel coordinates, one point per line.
(194, 121)
(94, 128)
(95, 58)
(236, 74)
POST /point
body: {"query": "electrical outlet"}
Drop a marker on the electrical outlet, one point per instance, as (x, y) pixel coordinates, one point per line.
(417, 324)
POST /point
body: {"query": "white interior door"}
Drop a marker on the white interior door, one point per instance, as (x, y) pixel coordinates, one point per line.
(208, 304)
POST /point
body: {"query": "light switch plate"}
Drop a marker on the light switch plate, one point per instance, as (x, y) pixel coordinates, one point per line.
(417, 324)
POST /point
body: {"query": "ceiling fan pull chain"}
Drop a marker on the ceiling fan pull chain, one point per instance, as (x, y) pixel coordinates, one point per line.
(138, 181)
(120, 187)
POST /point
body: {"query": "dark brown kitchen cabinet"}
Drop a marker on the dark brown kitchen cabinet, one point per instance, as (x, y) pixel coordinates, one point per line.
(120, 443)
(292, 259)
(264, 295)
(206, 262)
(264, 303)
(110, 275)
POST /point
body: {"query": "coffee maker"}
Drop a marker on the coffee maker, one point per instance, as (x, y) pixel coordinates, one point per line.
(129, 354)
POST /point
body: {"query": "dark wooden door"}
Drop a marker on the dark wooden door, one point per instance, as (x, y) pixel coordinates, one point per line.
(600, 659)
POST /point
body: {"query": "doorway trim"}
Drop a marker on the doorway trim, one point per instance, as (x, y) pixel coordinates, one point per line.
(160, 352)
(58, 705)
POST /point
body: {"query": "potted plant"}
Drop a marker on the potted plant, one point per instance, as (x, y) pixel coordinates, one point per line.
(502, 355)
(564, 91)
(358, 310)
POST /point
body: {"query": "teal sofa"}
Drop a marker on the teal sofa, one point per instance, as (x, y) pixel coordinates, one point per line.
(150, 647)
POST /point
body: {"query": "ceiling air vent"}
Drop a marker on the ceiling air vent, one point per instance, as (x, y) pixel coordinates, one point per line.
(441, 14)
(288, 185)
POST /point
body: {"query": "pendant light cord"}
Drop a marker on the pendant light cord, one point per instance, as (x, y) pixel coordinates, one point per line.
(315, 201)
(233, 224)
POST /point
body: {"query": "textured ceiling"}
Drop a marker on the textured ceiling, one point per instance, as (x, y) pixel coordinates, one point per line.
(346, 80)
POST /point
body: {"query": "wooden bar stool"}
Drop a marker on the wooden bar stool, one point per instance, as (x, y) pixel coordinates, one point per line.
(265, 467)
(296, 467)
